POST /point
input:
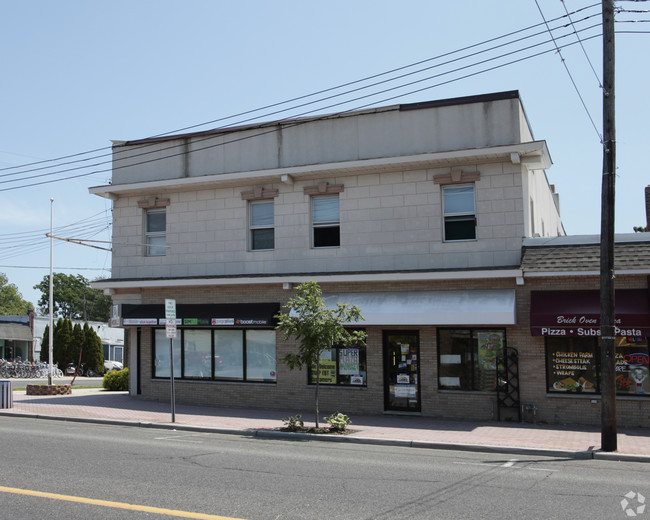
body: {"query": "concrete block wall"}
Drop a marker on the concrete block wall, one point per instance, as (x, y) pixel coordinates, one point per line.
(389, 221)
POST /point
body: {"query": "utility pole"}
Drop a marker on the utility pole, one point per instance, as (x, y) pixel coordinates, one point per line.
(607, 313)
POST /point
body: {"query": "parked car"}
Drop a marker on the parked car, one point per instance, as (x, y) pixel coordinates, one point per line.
(112, 365)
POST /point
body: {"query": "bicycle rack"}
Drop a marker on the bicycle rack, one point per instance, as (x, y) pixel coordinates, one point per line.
(508, 381)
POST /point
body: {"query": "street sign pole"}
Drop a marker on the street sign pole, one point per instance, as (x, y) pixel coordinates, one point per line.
(170, 330)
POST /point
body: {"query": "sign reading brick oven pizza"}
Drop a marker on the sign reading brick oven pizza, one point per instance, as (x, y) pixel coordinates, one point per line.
(577, 313)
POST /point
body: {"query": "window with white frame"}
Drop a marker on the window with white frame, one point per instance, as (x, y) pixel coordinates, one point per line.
(326, 225)
(261, 221)
(155, 235)
(459, 207)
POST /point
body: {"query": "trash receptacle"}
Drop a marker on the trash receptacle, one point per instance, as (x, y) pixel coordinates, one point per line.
(6, 395)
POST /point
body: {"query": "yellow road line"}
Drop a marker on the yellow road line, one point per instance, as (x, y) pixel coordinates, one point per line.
(118, 505)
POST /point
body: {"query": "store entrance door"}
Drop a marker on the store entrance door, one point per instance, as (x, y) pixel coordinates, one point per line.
(401, 371)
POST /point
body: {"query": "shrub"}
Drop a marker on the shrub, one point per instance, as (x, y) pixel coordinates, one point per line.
(294, 423)
(338, 422)
(116, 380)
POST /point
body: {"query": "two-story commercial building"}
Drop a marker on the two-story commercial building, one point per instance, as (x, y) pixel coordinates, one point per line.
(416, 213)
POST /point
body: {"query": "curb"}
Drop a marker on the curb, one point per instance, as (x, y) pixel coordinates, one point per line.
(349, 439)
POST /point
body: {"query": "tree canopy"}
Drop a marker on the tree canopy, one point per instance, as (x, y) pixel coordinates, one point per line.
(316, 327)
(73, 298)
(11, 301)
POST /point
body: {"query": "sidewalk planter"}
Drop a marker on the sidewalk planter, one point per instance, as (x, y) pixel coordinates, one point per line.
(49, 389)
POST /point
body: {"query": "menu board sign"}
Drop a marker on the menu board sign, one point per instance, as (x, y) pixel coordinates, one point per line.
(573, 371)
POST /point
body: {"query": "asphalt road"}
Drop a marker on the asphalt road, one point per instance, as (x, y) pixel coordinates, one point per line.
(215, 476)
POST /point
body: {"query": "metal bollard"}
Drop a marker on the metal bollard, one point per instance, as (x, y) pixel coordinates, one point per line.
(6, 395)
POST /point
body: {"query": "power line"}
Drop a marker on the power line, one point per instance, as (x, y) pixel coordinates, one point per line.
(283, 103)
(584, 105)
(347, 101)
(584, 51)
(299, 97)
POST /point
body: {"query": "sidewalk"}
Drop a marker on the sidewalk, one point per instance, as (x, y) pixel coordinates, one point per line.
(575, 441)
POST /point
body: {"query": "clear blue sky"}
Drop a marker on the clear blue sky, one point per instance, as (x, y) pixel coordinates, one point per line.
(77, 74)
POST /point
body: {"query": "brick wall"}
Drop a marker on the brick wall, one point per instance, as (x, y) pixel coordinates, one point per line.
(291, 391)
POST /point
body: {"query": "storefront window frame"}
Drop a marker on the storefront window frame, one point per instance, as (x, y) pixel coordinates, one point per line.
(344, 380)
(475, 356)
(551, 390)
(212, 376)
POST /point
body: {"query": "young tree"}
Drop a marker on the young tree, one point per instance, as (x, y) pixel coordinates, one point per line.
(11, 301)
(73, 298)
(93, 352)
(61, 343)
(45, 345)
(76, 345)
(317, 328)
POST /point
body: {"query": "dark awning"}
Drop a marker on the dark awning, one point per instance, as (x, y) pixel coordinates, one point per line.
(15, 332)
(219, 314)
(577, 313)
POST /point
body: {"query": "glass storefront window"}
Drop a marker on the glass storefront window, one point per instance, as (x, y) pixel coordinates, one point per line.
(234, 354)
(197, 348)
(260, 355)
(632, 366)
(341, 366)
(161, 355)
(573, 365)
(229, 354)
(467, 358)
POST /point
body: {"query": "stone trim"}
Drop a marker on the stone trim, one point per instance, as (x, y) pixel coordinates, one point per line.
(153, 202)
(323, 188)
(259, 194)
(457, 177)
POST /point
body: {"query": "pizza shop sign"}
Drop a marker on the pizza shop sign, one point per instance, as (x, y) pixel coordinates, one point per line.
(584, 326)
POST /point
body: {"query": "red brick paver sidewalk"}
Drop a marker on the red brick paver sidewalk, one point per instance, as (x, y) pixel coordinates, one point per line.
(409, 430)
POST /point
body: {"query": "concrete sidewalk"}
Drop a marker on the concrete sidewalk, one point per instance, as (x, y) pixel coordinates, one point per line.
(575, 441)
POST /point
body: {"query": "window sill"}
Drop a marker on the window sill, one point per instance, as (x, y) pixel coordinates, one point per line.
(348, 387)
(596, 397)
(465, 392)
(212, 381)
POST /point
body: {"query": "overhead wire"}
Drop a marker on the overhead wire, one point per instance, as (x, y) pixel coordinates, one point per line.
(299, 97)
(575, 86)
(584, 51)
(347, 101)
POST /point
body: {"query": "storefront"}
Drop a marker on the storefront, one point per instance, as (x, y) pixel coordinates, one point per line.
(215, 342)
(569, 321)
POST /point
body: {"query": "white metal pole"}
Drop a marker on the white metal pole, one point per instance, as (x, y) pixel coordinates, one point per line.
(51, 334)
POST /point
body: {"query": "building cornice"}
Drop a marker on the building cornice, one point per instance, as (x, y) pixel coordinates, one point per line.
(535, 152)
(282, 279)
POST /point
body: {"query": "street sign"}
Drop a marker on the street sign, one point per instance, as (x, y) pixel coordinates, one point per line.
(170, 318)
(170, 309)
(170, 328)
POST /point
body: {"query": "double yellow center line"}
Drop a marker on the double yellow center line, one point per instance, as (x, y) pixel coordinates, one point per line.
(116, 505)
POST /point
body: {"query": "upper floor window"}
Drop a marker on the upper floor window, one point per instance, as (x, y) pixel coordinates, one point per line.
(325, 221)
(459, 211)
(261, 220)
(155, 238)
